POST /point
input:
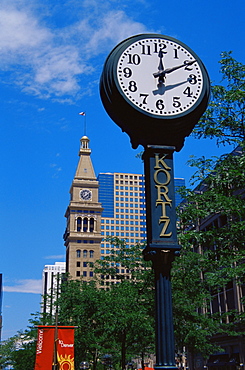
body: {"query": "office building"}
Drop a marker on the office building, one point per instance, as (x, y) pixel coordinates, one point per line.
(122, 196)
(51, 279)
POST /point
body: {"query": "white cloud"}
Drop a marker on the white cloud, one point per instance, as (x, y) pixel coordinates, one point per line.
(54, 62)
(21, 30)
(25, 286)
(114, 26)
(56, 257)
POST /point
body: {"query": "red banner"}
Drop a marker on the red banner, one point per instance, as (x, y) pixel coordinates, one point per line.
(65, 348)
(45, 348)
(55, 345)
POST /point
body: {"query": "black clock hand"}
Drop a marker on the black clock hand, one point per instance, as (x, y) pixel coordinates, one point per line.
(186, 63)
(160, 73)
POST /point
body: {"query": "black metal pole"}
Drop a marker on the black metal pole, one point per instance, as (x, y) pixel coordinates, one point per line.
(162, 245)
(165, 351)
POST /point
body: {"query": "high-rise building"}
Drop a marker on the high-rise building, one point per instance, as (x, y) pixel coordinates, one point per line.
(123, 199)
(178, 183)
(51, 279)
(113, 204)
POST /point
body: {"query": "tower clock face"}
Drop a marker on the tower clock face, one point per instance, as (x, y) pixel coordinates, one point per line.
(160, 76)
(86, 194)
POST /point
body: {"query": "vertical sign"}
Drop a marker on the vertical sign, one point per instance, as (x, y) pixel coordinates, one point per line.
(64, 346)
(45, 348)
(160, 198)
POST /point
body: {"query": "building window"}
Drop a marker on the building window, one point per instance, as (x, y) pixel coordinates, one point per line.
(77, 273)
(78, 253)
(85, 264)
(78, 264)
(91, 254)
(85, 273)
(79, 223)
(91, 225)
(91, 274)
(85, 253)
(85, 224)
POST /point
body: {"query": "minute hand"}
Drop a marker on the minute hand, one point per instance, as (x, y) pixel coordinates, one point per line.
(186, 63)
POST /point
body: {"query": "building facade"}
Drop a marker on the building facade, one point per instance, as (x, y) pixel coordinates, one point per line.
(51, 279)
(123, 199)
(83, 226)
(112, 204)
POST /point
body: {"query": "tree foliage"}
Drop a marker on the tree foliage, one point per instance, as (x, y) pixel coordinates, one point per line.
(224, 118)
(115, 319)
(19, 351)
(219, 195)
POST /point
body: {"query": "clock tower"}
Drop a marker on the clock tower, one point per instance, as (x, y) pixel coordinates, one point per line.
(83, 229)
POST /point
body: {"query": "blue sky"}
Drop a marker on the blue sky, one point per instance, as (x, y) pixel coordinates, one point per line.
(51, 58)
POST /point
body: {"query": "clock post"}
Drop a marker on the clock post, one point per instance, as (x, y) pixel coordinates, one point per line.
(156, 89)
(162, 244)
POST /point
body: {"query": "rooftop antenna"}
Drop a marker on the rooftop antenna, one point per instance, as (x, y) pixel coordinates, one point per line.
(85, 128)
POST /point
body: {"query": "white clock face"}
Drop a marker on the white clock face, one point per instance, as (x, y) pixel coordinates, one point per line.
(160, 76)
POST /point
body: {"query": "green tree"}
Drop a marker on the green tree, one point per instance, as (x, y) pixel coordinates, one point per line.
(135, 325)
(220, 191)
(81, 305)
(19, 351)
(224, 118)
(116, 320)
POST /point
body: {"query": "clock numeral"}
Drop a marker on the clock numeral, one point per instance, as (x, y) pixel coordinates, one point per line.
(176, 56)
(192, 79)
(176, 102)
(187, 67)
(127, 72)
(160, 104)
(144, 96)
(134, 59)
(146, 50)
(132, 86)
(188, 92)
(160, 47)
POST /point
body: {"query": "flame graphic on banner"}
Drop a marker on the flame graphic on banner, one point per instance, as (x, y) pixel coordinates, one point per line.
(66, 362)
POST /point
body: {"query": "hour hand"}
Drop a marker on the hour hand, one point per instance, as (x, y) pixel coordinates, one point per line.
(160, 73)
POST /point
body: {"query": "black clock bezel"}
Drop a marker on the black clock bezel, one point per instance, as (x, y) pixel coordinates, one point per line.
(133, 119)
(127, 43)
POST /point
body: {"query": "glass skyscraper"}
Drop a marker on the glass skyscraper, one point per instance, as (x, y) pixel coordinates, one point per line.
(123, 200)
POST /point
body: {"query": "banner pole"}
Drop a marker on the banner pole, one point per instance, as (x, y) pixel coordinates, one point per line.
(55, 360)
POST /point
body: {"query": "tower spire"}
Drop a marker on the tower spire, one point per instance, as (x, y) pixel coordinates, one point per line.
(85, 168)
